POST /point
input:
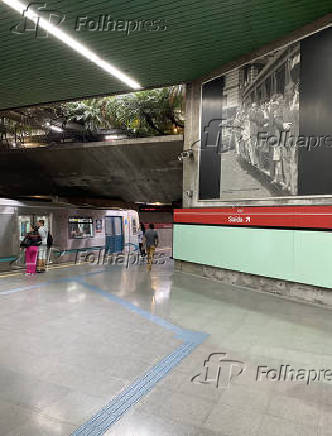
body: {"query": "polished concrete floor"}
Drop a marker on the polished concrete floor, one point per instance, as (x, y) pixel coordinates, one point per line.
(75, 338)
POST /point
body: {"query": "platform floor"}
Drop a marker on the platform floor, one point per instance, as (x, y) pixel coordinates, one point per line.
(94, 350)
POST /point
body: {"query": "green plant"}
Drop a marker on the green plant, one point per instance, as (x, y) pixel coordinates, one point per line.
(153, 112)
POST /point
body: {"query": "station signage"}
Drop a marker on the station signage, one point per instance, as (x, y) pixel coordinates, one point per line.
(78, 219)
(314, 217)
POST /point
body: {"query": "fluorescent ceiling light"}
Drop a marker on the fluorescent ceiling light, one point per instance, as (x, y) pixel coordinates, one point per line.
(55, 128)
(71, 42)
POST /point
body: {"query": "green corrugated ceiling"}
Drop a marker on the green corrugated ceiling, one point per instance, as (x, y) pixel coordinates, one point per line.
(201, 35)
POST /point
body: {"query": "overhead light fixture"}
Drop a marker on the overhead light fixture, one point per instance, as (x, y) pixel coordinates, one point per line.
(55, 128)
(71, 42)
(111, 137)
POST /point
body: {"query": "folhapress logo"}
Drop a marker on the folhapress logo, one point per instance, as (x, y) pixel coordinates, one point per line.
(31, 17)
(219, 371)
(287, 373)
(37, 16)
(107, 23)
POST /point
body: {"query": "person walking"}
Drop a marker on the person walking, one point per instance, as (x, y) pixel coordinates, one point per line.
(151, 242)
(42, 252)
(141, 234)
(31, 242)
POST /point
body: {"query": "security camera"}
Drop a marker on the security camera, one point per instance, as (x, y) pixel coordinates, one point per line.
(186, 154)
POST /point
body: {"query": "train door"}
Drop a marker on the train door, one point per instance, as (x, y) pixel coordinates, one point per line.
(114, 234)
(24, 223)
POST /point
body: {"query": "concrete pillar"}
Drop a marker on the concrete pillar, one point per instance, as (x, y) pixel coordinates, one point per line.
(191, 136)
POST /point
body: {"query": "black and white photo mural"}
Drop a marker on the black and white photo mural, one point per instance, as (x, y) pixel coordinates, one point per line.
(254, 129)
(268, 125)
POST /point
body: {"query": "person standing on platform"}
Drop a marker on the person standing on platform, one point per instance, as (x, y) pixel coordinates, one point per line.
(141, 234)
(42, 252)
(151, 242)
(31, 242)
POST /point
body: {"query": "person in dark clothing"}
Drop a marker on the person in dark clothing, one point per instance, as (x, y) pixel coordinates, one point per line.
(31, 242)
(151, 242)
(141, 234)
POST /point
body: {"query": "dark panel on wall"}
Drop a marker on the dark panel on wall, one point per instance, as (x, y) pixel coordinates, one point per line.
(210, 167)
(315, 165)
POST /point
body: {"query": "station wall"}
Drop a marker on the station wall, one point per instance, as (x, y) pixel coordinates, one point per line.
(302, 256)
(285, 92)
(262, 130)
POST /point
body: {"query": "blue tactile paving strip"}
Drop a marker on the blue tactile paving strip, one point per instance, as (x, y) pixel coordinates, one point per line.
(23, 288)
(72, 250)
(40, 284)
(113, 411)
(8, 259)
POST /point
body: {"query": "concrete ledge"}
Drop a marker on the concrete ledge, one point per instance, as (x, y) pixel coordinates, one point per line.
(290, 290)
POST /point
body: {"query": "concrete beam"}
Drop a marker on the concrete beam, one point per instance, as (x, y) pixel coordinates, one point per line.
(143, 169)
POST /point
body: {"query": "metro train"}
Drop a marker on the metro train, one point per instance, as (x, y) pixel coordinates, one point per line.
(73, 229)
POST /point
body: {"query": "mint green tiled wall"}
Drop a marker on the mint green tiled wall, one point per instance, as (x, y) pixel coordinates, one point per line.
(295, 255)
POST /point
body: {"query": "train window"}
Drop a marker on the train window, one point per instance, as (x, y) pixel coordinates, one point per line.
(246, 74)
(259, 95)
(109, 226)
(134, 226)
(280, 80)
(268, 88)
(99, 226)
(117, 225)
(24, 225)
(80, 227)
(113, 225)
